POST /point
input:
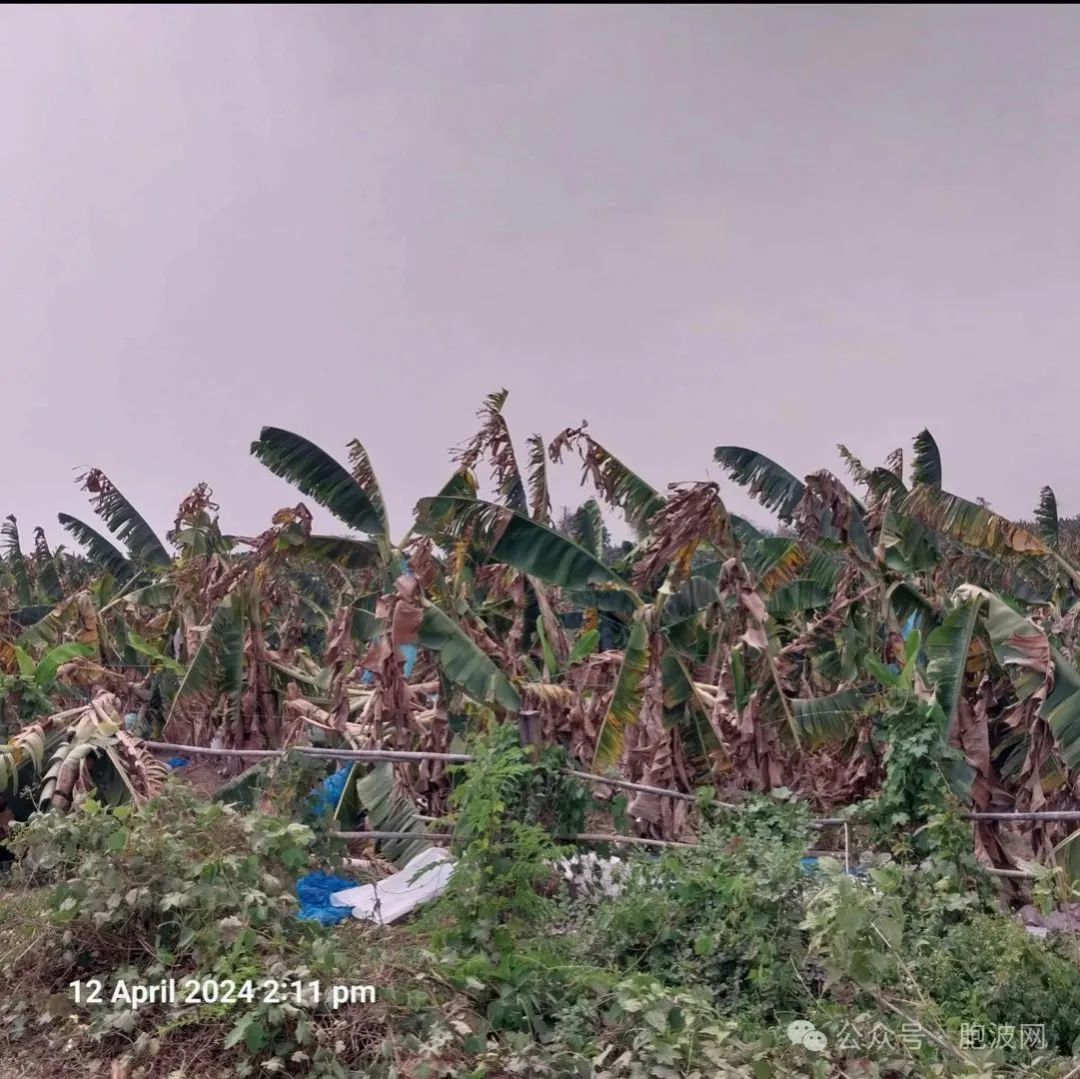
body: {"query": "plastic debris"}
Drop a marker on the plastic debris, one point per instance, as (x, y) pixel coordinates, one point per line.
(136, 726)
(590, 875)
(1065, 918)
(424, 877)
(810, 865)
(408, 652)
(325, 797)
(315, 891)
(178, 762)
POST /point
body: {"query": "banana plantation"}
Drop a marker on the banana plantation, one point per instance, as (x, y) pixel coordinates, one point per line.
(889, 655)
(705, 653)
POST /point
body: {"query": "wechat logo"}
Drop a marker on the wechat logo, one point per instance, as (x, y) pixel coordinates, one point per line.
(803, 1032)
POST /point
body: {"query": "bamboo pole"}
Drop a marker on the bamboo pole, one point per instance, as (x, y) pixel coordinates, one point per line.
(582, 837)
(602, 837)
(591, 777)
(1062, 814)
(208, 751)
(409, 755)
(380, 755)
(588, 777)
(393, 835)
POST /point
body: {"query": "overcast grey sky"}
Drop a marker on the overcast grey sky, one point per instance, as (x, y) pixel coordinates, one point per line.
(781, 227)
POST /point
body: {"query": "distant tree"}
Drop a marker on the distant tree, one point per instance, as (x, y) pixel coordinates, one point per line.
(585, 525)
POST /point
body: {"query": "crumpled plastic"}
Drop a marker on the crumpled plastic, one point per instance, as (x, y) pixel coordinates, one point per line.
(314, 892)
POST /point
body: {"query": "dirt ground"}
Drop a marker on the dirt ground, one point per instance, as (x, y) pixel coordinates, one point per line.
(205, 774)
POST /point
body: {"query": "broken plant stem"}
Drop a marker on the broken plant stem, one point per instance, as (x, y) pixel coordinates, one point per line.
(944, 1046)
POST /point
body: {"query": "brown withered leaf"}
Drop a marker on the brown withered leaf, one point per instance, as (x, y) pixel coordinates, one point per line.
(825, 499)
(408, 611)
(692, 514)
(339, 640)
(1029, 650)
(972, 736)
(493, 440)
(754, 605)
(516, 635)
(566, 440)
(87, 612)
(755, 637)
(1031, 795)
(787, 568)
(194, 506)
(613, 482)
(423, 563)
(649, 757)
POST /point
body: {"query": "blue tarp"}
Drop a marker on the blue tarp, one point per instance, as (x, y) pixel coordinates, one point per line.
(314, 891)
(810, 865)
(408, 652)
(177, 762)
(325, 797)
(906, 630)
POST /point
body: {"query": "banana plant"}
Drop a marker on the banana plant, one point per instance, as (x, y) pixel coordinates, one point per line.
(502, 535)
(77, 750)
(38, 581)
(145, 553)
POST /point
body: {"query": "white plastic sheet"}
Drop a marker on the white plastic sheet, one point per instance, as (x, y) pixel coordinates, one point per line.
(423, 878)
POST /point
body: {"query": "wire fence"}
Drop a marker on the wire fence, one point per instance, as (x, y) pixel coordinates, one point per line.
(417, 756)
(587, 838)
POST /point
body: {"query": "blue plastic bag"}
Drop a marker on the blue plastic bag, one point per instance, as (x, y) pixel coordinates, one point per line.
(810, 866)
(325, 797)
(408, 651)
(314, 891)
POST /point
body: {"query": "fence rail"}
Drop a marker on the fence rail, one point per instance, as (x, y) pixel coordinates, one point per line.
(588, 777)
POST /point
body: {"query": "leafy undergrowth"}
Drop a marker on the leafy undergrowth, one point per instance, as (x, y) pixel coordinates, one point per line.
(727, 959)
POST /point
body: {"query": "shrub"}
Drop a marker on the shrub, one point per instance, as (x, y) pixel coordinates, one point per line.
(505, 851)
(991, 971)
(171, 882)
(178, 888)
(724, 914)
(491, 928)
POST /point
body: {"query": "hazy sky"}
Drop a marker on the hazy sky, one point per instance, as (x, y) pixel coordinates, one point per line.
(780, 227)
